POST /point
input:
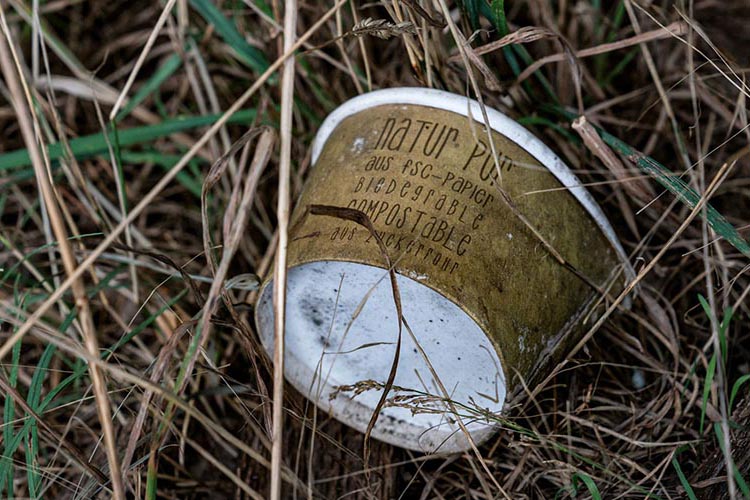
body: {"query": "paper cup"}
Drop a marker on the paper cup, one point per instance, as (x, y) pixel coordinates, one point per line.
(486, 302)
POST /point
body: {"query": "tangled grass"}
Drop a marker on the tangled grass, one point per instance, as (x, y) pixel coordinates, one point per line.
(128, 264)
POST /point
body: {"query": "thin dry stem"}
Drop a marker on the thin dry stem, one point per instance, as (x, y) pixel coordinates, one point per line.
(142, 57)
(282, 216)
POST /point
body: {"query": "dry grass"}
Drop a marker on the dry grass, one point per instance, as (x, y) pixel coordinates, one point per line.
(126, 282)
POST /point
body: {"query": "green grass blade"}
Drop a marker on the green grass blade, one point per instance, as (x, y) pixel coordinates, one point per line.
(12, 446)
(545, 122)
(32, 436)
(9, 272)
(706, 306)
(588, 482)
(613, 26)
(683, 480)
(741, 483)
(265, 7)
(95, 144)
(707, 388)
(672, 182)
(163, 72)
(7, 468)
(317, 84)
(51, 399)
(498, 14)
(17, 177)
(117, 157)
(620, 66)
(472, 7)
(680, 189)
(249, 55)
(736, 388)
(723, 327)
(713, 362)
(495, 13)
(35, 388)
(151, 479)
(145, 323)
(53, 41)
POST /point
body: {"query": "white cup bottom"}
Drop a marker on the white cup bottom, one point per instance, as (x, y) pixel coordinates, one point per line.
(341, 330)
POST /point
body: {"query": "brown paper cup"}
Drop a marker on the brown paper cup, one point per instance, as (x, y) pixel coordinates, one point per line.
(487, 303)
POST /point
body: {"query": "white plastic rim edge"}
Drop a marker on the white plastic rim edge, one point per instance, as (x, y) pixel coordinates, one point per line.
(497, 121)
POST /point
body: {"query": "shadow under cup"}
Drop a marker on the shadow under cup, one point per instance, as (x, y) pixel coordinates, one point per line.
(486, 304)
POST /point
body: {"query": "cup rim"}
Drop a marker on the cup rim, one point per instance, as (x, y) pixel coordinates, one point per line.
(497, 121)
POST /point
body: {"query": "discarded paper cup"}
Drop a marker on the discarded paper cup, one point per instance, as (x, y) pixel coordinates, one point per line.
(486, 301)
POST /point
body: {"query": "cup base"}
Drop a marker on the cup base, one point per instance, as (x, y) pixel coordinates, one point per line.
(341, 333)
